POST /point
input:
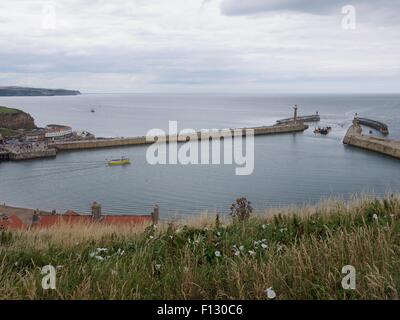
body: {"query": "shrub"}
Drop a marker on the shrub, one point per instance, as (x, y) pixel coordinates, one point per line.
(241, 209)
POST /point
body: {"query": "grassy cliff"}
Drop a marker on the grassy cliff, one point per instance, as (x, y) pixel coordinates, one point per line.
(14, 119)
(299, 252)
(5, 110)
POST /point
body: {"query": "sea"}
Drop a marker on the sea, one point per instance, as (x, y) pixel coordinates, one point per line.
(289, 169)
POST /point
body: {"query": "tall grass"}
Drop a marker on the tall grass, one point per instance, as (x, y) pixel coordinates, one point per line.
(299, 252)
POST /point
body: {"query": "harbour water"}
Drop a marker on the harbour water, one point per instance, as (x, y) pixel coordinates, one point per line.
(289, 169)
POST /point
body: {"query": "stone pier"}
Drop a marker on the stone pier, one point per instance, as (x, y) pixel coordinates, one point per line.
(119, 142)
(354, 137)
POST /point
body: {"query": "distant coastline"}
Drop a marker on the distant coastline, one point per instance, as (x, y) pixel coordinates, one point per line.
(30, 92)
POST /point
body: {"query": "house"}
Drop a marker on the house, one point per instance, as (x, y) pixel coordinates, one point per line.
(46, 220)
(72, 217)
(11, 222)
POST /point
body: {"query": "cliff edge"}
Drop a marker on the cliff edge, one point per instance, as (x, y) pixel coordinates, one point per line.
(14, 119)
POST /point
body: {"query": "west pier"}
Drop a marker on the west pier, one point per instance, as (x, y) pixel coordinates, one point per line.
(143, 140)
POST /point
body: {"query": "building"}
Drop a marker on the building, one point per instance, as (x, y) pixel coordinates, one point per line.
(11, 222)
(55, 131)
(35, 135)
(47, 220)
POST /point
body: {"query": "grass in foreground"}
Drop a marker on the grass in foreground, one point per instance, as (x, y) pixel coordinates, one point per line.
(298, 252)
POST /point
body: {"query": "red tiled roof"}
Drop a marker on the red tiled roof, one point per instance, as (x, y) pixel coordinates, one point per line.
(46, 221)
(12, 223)
(126, 219)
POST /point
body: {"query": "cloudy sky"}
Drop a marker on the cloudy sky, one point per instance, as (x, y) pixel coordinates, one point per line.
(255, 46)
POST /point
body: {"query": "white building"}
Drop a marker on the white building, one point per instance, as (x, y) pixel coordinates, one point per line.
(54, 131)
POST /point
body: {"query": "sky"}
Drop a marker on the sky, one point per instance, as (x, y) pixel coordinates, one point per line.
(202, 46)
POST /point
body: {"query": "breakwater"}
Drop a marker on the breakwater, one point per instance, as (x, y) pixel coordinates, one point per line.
(143, 140)
(377, 125)
(311, 118)
(354, 137)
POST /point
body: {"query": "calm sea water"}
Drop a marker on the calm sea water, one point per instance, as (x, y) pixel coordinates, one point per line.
(289, 169)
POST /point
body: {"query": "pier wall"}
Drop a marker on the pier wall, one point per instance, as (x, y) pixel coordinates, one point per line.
(32, 155)
(377, 125)
(119, 142)
(354, 137)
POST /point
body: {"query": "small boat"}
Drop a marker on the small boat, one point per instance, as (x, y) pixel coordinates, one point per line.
(119, 162)
(324, 130)
(92, 111)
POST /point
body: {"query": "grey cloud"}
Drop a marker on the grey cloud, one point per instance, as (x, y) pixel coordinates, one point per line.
(248, 7)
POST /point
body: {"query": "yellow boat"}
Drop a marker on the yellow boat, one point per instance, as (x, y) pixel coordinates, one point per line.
(119, 162)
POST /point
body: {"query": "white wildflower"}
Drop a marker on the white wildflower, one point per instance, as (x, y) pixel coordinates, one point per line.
(252, 253)
(237, 252)
(270, 293)
(120, 252)
(264, 246)
(217, 253)
(101, 249)
(264, 226)
(158, 266)
(151, 237)
(375, 217)
(218, 234)
(241, 248)
(100, 258)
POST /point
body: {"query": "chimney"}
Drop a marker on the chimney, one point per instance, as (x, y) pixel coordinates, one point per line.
(96, 211)
(35, 217)
(156, 214)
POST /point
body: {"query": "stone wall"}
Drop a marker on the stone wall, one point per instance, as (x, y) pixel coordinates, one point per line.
(33, 155)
